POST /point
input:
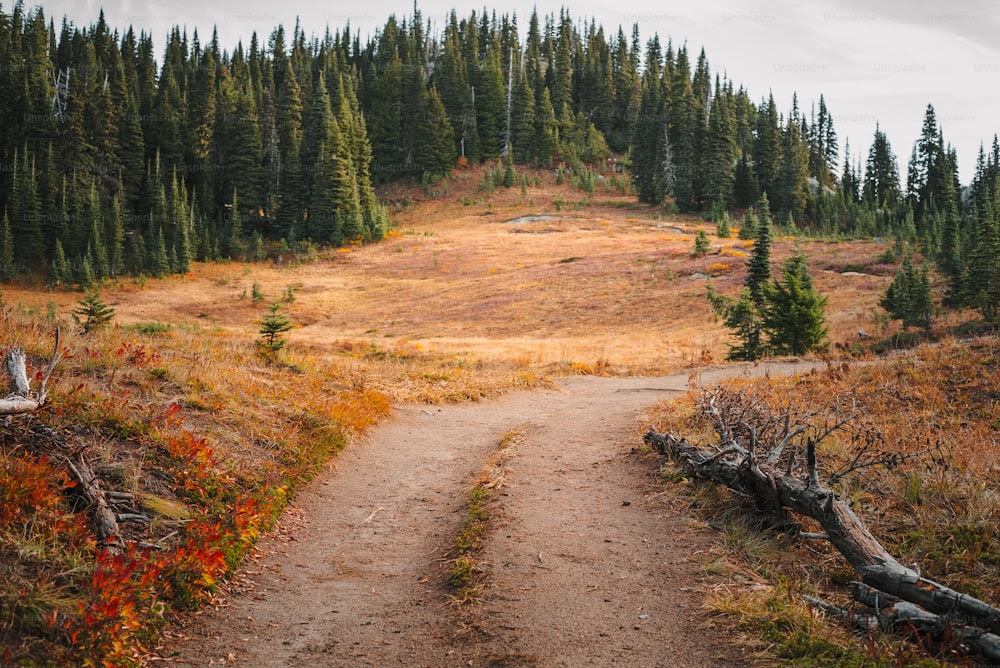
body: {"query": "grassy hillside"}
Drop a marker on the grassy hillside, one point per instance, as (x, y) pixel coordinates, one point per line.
(477, 291)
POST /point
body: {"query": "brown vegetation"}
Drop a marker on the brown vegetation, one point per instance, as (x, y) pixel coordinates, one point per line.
(199, 441)
(941, 515)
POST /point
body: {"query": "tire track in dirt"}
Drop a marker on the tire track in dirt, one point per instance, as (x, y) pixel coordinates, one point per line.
(354, 577)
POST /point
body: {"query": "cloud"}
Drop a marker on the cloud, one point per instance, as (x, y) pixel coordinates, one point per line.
(974, 20)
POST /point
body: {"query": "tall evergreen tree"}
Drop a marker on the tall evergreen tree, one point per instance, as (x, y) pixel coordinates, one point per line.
(881, 187)
(720, 151)
(490, 105)
(523, 120)
(759, 264)
(793, 193)
(8, 269)
(650, 143)
(767, 148)
(981, 288)
(546, 130)
(434, 149)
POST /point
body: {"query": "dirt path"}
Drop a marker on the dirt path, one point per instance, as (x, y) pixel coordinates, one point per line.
(588, 563)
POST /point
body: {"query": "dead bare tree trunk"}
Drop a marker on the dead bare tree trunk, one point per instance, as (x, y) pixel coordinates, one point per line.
(931, 606)
(22, 400)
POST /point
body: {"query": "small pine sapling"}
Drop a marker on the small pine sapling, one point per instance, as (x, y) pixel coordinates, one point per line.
(273, 327)
(92, 313)
(722, 228)
(701, 246)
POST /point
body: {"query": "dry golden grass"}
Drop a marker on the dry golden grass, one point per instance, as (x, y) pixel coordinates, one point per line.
(944, 515)
(603, 285)
(461, 302)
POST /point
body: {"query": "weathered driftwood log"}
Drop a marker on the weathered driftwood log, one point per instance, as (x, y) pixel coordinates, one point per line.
(890, 613)
(22, 400)
(735, 467)
(103, 518)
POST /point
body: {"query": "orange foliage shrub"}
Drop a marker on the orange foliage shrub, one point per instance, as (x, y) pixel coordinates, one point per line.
(718, 269)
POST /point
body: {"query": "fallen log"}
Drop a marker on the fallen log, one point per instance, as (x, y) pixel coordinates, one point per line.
(772, 487)
(103, 517)
(22, 400)
(890, 613)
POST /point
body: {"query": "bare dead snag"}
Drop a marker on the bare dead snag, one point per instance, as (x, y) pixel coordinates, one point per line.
(21, 399)
(745, 428)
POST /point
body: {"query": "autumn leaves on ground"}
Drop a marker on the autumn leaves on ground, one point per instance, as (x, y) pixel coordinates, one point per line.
(474, 293)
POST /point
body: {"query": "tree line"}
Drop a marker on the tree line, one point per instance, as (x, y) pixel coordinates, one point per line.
(113, 164)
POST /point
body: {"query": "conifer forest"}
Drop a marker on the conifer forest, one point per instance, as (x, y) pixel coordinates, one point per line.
(117, 162)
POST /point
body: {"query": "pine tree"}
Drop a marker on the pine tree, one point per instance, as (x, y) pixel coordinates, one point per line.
(881, 187)
(949, 255)
(452, 83)
(160, 261)
(685, 122)
(793, 195)
(767, 149)
(748, 228)
(523, 121)
(434, 146)
(347, 183)
(722, 228)
(823, 149)
(182, 245)
(701, 244)
(85, 272)
(652, 158)
(92, 313)
(132, 148)
(546, 132)
(562, 66)
(96, 248)
(759, 264)
(793, 317)
(386, 110)
(509, 175)
(240, 152)
(26, 210)
(7, 268)
(374, 217)
(289, 128)
(273, 327)
(720, 152)
(742, 317)
(927, 173)
(981, 288)
(234, 230)
(116, 236)
(490, 106)
(908, 298)
(59, 270)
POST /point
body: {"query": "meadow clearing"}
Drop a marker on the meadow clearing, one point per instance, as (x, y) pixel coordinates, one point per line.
(474, 293)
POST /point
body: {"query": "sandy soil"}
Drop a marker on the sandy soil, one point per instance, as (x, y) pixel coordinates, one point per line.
(589, 561)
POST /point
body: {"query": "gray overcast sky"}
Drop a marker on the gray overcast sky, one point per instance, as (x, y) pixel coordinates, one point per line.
(883, 62)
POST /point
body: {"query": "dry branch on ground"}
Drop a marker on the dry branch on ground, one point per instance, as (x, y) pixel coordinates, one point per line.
(771, 458)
